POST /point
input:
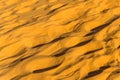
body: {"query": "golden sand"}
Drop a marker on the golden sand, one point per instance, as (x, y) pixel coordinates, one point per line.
(59, 39)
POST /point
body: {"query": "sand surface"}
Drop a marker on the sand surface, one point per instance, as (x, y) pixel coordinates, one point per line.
(59, 39)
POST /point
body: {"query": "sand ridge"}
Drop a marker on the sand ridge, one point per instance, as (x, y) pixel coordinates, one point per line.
(59, 40)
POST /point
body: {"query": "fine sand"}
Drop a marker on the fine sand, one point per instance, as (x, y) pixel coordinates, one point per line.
(59, 39)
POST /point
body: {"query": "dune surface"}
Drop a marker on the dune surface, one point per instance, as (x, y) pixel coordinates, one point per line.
(59, 39)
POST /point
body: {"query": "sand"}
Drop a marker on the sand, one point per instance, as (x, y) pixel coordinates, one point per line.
(60, 40)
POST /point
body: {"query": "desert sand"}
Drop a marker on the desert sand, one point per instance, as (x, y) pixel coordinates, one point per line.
(59, 39)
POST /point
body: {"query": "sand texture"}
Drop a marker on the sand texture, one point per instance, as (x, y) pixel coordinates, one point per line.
(59, 39)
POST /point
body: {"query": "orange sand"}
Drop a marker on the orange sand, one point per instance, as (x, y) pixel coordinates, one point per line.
(59, 39)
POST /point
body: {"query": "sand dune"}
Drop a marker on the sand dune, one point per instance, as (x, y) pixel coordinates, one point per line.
(60, 40)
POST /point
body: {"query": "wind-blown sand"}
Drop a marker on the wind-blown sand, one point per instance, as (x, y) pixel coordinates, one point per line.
(59, 39)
